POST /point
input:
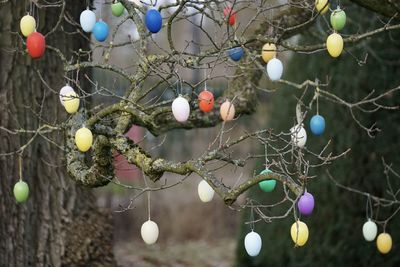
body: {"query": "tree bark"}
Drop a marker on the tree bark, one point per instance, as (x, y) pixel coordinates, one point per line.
(59, 224)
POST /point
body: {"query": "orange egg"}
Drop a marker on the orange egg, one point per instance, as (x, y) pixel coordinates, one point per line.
(206, 101)
(227, 111)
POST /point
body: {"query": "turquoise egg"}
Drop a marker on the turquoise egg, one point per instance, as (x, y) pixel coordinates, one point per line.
(267, 185)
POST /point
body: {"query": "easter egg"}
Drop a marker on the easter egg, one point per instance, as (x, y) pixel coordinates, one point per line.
(268, 52)
(299, 233)
(267, 185)
(317, 125)
(83, 139)
(338, 19)
(227, 111)
(274, 69)
(334, 44)
(228, 12)
(322, 6)
(71, 102)
(306, 204)
(27, 25)
(181, 109)
(100, 31)
(236, 53)
(206, 101)
(64, 91)
(369, 230)
(153, 20)
(298, 135)
(21, 191)
(205, 191)
(87, 20)
(117, 9)
(384, 243)
(149, 232)
(36, 45)
(252, 244)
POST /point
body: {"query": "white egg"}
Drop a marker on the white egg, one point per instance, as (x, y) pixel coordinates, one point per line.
(149, 232)
(275, 69)
(369, 230)
(181, 109)
(87, 20)
(252, 243)
(299, 135)
(205, 191)
(64, 91)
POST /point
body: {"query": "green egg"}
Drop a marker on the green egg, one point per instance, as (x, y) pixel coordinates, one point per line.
(117, 9)
(267, 185)
(338, 19)
(21, 191)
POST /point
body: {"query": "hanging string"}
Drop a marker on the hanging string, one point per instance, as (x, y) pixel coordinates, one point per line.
(368, 209)
(20, 166)
(205, 79)
(148, 195)
(266, 155)
(251, 219)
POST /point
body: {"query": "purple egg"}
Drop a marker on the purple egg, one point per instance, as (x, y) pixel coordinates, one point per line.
(306, 204)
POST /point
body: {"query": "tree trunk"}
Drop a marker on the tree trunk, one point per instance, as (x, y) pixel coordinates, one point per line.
(59, 224)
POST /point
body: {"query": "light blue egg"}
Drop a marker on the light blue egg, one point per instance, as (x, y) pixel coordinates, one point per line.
(236, 53)
(267, 185)
(100, 31)
(153, 20)
(317, 125)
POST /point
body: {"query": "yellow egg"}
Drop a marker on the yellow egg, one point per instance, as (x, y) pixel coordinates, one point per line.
(71, 102)
(334, 44)
(384, 243)
(83, 139)
(268, 52)
(299, 233)
(227, 111)
(322, 6)
(27, 25)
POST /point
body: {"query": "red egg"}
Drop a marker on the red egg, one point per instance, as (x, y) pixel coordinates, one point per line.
(232, 15)
(206, 101)
(36, 45)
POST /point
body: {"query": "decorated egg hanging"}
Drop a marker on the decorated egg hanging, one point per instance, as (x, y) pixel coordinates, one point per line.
(21, 191)
(71, 102)
(153, 20)
(274, 69)
(299, 233)
(180, 109)
(117, 9)
(322, 6)
(36, 45)
(83, 139)
(384, 243)
(205, 191)
(252, 244)
(100, 31)
(149, 232)
(268, 52)
(267, 185)
(236, 53)
(227, 111)
(306, 204)
(334, 44)
(87, 20)
(230, 14)
(64, 91)
(338, 19)
(369, 230)
(298, 135)
(317, 125)
(27, 25)
(206, 101)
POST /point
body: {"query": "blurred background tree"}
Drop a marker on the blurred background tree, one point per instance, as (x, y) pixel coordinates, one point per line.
(336, 223)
